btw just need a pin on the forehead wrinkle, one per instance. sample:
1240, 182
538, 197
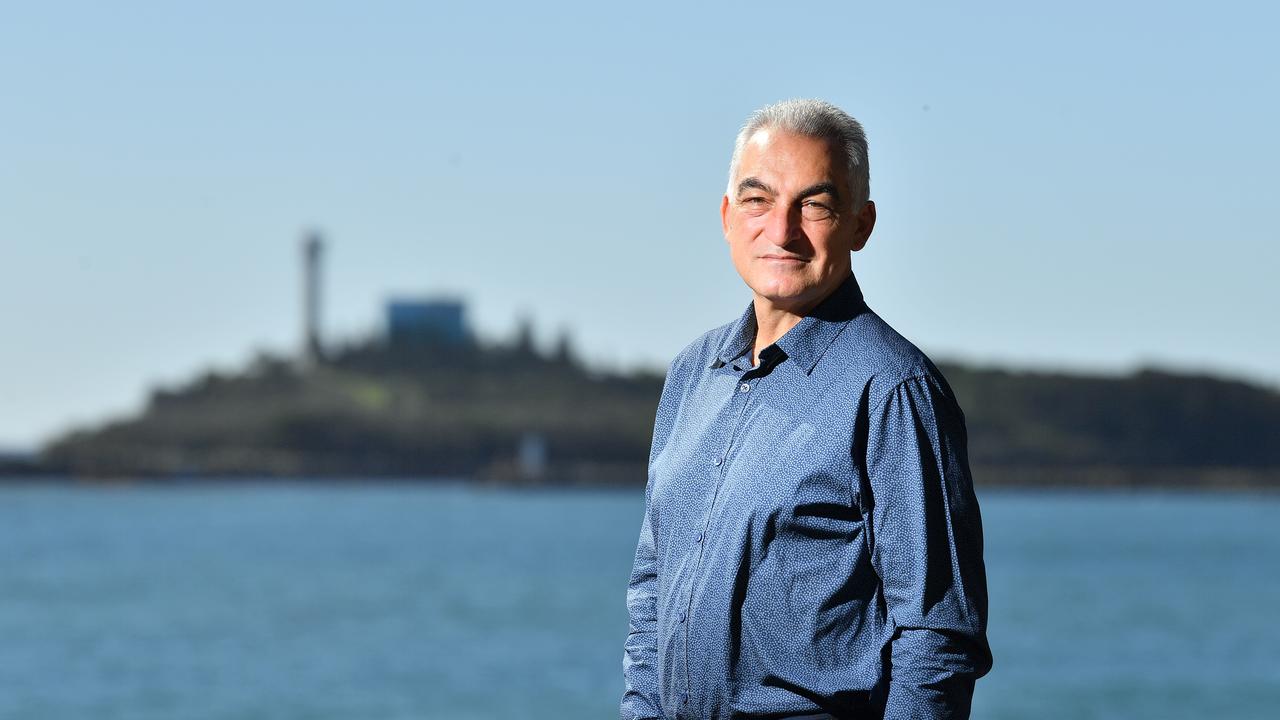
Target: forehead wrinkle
760, 157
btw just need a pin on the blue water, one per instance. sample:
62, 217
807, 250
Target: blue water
442, 601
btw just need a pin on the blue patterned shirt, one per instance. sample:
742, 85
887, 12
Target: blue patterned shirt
811, 545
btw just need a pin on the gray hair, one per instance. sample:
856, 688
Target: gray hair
816, 119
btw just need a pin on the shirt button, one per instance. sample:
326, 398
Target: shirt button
744, 387
682, 616
684, 698
718, 460
699, 540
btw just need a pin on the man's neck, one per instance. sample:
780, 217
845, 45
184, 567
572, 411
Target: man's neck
774, 320
771, 323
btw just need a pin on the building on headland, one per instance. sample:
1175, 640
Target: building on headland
412, 323
426, 322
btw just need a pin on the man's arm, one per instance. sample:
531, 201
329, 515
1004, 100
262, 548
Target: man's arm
640, 653
640, 700
927, 549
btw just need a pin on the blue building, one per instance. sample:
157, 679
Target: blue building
427, 323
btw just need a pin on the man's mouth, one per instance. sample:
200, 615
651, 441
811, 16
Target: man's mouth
784, 258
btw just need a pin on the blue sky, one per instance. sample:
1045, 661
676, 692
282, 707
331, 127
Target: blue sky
1086, 186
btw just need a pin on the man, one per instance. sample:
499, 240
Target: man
811, 545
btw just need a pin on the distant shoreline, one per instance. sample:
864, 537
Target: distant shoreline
1219, 479
1128, 477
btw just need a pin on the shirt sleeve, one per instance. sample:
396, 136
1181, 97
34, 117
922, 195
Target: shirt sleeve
640, 653
927, 548
640, 699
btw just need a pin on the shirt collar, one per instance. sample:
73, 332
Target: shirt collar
808, 341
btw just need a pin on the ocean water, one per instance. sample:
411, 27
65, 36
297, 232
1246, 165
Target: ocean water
438, 600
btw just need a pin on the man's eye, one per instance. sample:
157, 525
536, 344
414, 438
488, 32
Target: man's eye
754, 204
815, 211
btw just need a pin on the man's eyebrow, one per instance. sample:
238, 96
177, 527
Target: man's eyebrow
819, 189
754, 183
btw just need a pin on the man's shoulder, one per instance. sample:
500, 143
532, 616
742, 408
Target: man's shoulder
872, 348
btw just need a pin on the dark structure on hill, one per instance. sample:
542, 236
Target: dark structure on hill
381, 410
462, 410
427, 324
427, 399
1149, 428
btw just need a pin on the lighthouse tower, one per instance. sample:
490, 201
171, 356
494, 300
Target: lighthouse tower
312, 250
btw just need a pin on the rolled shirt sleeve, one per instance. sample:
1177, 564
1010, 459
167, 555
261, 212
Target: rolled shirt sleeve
927, 549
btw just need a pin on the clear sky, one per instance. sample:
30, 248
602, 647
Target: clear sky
1085, 185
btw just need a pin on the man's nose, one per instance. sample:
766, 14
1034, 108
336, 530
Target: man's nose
783, 225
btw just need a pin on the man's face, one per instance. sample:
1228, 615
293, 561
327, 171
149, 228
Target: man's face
789, 220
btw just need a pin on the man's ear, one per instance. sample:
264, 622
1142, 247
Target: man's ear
866, 219
724, 216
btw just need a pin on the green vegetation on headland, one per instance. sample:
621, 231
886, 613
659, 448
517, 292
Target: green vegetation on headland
513, 414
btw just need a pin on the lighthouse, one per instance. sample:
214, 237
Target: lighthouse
312, 250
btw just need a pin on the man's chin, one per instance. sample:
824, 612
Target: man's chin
786, 296
782, 285
793, 294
